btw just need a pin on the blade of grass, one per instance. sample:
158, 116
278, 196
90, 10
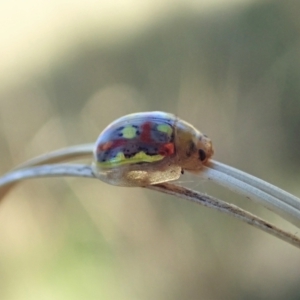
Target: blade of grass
270, 196
79, 170
254, 193
256, 182
61, 155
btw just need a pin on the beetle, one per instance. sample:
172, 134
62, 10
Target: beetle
148, 148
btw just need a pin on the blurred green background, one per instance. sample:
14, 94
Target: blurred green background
68, 68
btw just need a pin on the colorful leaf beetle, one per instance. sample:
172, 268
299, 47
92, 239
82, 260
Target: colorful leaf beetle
148, 148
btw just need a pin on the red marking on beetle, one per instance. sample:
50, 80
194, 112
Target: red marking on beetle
118, 143
166, 150
104, 147
146, 132
110, 145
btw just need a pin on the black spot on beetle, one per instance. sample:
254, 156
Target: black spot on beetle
202, 154
121, 128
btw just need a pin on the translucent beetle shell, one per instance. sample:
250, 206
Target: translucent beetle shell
147, 148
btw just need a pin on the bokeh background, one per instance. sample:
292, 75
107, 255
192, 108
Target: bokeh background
68, 68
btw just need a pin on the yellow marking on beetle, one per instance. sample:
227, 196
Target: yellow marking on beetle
120, 159
165, 128
129, 132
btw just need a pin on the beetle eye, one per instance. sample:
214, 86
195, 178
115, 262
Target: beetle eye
202, 154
